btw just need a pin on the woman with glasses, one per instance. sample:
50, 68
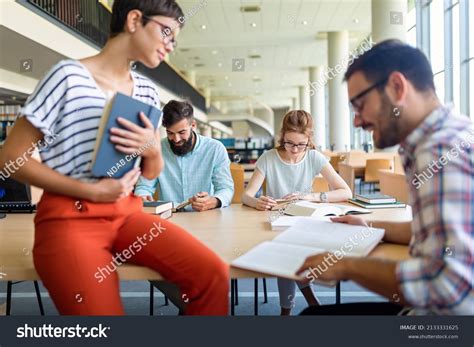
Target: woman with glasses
87, 225
289, 170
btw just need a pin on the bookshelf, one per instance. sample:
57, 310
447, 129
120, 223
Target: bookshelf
246, 150
8, 115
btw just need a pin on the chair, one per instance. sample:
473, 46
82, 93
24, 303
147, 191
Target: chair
394, 184
234, 294
237, 171
320, 184
397, 165
334, 160
9, 296
355, 157
152, 300
372, 167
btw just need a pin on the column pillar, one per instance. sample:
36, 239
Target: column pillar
389, 20
304, 98
318, 109
294, 103
339, 115
207, 95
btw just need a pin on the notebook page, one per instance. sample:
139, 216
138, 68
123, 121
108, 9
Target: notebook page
350, 239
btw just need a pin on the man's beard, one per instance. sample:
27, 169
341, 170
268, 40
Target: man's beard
389, 125
185, 148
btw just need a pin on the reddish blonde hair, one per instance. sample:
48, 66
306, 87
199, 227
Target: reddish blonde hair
297, 121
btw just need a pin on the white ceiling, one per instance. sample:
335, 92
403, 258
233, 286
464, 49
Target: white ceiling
289, 35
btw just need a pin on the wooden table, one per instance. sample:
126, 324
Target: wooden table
230, 232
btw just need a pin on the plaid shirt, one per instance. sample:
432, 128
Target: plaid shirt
438, 157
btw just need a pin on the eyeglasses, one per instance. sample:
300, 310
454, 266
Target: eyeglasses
167, 38
291, 145
356, 108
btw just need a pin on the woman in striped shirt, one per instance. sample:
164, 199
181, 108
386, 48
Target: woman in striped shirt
85, 225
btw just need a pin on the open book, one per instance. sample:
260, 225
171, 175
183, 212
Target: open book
286, 253
307, 208
181, 206
284, 222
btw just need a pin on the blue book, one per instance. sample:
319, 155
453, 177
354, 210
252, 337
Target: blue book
107, 161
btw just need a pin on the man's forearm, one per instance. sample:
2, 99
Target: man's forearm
152, 167
395, 232
377, 275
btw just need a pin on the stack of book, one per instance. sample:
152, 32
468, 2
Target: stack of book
375, 201
164, 209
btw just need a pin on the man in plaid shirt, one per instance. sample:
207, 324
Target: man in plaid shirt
392, 93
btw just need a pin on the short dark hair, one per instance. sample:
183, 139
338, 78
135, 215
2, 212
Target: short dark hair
175, 111
394, 55
121, 8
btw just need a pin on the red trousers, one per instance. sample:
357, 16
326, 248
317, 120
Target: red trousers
78, 245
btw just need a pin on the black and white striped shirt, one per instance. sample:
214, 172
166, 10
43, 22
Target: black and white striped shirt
67, 104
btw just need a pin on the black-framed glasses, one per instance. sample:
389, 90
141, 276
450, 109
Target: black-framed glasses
291, 145
353, 102
165, 32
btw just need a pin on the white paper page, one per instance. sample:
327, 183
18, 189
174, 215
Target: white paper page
287, 221
276, 259
349, 239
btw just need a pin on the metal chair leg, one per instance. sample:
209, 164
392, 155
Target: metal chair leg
9, 297
338, 293
236, 287
265, 295
166, 301
38, 297
152, 299
256, 297
232, 302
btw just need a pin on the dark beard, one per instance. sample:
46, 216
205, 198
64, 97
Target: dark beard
185, 148
390, 130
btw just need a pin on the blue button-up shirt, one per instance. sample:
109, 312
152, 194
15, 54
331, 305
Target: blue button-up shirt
205, 169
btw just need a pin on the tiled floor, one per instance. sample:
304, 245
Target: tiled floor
135, 296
